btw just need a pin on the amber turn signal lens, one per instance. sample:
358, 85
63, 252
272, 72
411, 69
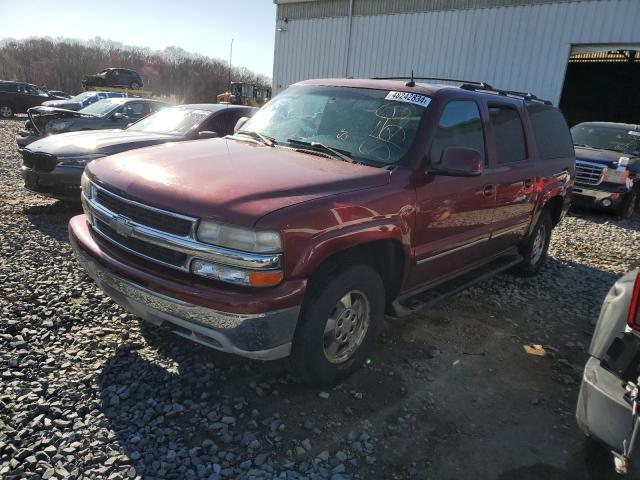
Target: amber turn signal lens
265, 279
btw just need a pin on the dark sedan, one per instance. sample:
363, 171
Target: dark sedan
110, 113
54, 164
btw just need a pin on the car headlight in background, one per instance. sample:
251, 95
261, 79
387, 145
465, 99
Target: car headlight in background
79, 160
58, 126
239, 238
87, 187
616, 176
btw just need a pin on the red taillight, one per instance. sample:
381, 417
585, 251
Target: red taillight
634, 309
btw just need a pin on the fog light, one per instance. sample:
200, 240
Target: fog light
238, 276
606, 202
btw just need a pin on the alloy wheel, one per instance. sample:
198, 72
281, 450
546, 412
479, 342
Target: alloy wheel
538, 244
346, 326
6, 112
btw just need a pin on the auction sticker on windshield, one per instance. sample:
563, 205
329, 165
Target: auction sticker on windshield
409, 97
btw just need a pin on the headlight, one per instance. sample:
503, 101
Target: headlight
79, 160
239, 238
616, 175
87, 187
58, 126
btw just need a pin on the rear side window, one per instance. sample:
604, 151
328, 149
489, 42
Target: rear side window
460, 126
550, 130
508, 134
8, 87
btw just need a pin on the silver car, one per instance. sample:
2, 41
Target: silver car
609, 401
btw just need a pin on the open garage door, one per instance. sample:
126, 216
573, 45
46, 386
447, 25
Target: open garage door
602, 83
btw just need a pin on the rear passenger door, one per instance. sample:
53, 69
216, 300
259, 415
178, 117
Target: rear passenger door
513, 173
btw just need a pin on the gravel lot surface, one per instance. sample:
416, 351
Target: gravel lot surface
90, 392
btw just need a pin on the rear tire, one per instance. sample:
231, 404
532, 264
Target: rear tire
6, 111
628, 207
340, 322
134, 85
534, 249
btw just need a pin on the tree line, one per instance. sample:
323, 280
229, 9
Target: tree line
61, 64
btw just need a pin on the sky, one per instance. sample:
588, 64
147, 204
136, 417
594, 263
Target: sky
198, 26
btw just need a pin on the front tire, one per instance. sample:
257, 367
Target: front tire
628, 207
134, 85
340, 321
6, 111
534, 249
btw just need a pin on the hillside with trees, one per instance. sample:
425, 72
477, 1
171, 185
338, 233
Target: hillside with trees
60, 64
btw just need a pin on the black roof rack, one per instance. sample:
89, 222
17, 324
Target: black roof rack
513, 93
410, 77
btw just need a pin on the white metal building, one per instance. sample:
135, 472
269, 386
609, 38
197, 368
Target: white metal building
513, 44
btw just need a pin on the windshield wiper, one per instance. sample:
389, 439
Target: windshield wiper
268, 141
340, 155
582, 145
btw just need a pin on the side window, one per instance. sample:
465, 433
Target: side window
8, 87
218, 124
460, 126
136, 110
508, 134
550, 130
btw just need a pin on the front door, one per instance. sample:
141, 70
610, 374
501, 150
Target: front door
453, 219
515, 174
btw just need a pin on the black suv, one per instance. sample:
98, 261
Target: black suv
114, 77
18, 97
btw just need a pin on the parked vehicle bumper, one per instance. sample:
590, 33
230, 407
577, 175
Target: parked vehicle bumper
605, 197
602, 411
24, 138
225, 326
63, 182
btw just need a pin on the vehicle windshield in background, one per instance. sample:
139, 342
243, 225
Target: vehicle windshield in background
82, 96
171, 121
101, 108
371, 126
617, 139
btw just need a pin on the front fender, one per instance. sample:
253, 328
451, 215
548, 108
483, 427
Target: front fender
336, 241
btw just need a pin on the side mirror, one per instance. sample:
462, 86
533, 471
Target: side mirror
459, 162
240, 123
117, 116
208, 134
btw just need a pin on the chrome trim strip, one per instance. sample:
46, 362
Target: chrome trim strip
510, 230
453, 250
186, 245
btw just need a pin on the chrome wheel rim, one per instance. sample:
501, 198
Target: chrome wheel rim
538, 244
5, 112
346, 326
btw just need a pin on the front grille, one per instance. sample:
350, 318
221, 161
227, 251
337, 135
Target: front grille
40, 162
151, 218
588, 173
153, 252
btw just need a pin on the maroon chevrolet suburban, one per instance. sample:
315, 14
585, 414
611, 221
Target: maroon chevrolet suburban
338, 202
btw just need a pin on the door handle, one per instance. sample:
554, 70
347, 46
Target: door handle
488, 190
527, 182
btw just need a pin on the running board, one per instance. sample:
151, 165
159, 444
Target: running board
427, 298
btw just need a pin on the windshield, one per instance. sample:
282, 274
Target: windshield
613, 138
171, 121
82, 96
101, 108
371, 126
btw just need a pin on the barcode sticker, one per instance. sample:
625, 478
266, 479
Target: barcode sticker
409, 97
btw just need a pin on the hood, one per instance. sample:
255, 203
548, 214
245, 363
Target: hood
66, 104
228, 180
606, 157
96, 141
40, 116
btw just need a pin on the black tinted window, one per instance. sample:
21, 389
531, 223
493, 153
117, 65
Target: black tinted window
8, 87
550, 130
508, 134
460, 126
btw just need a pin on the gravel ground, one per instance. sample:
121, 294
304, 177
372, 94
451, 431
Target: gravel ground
90, 392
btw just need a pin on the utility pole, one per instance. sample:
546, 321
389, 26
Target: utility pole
230, 56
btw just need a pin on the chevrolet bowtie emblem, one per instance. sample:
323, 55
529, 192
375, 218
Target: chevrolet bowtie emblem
122, 226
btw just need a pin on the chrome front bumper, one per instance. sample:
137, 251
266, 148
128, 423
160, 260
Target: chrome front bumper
264, 336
